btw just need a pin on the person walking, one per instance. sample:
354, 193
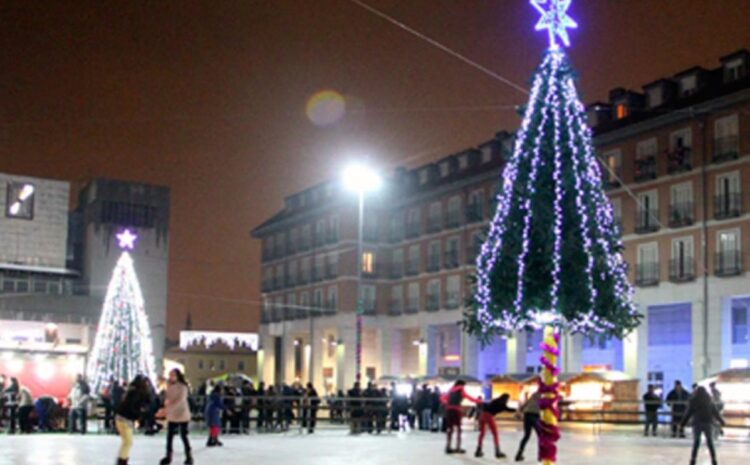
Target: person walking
214, 409
355, 407
423, 406
531, 422
178, 415
486, 412
10, 396
702, 410
652, 402
310, 404
127, 412
677, 399
454, 414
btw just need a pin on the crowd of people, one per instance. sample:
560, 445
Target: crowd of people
235, 408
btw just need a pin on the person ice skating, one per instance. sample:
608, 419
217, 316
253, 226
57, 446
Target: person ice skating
531, 419
178, 414
702, 410
718, 402
652, 403
454, 414
486, 413
127, 412
677, 399
214, 409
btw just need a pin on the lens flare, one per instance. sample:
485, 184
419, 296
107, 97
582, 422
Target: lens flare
325, 107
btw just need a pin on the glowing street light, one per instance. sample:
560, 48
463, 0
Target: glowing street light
360, 179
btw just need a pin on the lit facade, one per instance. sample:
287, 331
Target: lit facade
681, 148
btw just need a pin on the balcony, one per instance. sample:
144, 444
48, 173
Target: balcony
727, 205
332, 237
412, 305
305, 244
726, 148
728, 263
412, 268
395, 307
266, 285
433, 264
279, 252
453, 220
304, 278
681, 214
396, 235
320, 239
318, 275
474, 213
433, 303
679, 160
647, 274
413, 230
331, 307
452, 301
681, 269
645, 169
369, 307
278, 283
451, 259
612, 179
434, 224
617, 222
646, 220
396, 271
332, 271
290, 281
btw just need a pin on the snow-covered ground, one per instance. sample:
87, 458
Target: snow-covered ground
335, 447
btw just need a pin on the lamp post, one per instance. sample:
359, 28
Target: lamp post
360, 179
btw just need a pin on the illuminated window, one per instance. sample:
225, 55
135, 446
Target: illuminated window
368, 262
622, 111
20, 201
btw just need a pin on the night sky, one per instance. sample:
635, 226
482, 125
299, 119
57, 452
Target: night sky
209, 98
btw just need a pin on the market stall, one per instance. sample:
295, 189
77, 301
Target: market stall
734, 385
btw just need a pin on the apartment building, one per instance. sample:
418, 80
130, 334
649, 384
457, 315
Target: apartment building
675, 158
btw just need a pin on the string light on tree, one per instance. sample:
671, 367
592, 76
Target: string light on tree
123, 347
553, 256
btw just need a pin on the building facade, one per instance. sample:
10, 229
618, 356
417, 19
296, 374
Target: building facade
55, 265
676, 160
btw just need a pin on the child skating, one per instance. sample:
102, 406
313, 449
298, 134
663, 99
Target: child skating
214, 409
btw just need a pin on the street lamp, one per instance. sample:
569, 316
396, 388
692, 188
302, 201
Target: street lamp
360, 179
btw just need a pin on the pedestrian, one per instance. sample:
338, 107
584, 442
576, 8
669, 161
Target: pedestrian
247, 391
178, 414
486, 412
78, 400
310, 405
677, 399
718, 402
25, 407
127, 412
354, 404
652, 402
214, 408
260, 405
10, 396
702, 410
423, 405
531, 422
437, 412
454, 414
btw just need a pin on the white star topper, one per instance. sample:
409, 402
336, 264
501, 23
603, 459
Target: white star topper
555, 19
127, 240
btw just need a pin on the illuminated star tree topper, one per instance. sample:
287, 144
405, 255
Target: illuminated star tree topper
555, 19
126, 240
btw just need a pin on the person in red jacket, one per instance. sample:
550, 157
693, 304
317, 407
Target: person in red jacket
486, 412
454, 414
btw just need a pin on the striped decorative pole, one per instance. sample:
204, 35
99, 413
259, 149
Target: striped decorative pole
548, 403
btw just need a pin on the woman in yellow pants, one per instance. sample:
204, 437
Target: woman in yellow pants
129, 410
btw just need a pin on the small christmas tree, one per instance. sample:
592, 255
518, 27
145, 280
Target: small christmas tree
123, 346
552, 256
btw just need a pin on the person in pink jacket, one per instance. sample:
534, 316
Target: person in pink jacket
177, 409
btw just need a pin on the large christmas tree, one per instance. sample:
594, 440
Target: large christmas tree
552, 256
123, 346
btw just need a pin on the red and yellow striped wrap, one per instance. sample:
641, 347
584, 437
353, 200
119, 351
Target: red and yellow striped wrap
548, 388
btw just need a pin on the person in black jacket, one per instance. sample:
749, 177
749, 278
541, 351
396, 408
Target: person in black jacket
356, 412
486, 412
703, 412
127, 412
677, 399
652, 403
310, 405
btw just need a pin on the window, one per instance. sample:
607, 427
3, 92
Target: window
333, 229
433, 256
445, 169
474, 208
739, 325
475, 246
647, 148
454, 211
332, 304
647, 212
621, 110
200, 364
396, 227
451, 252
655, 96
463, 162
368, 262
20, 201
435, 217
728, 252
726, 139
688, 84
397, 300
670, 325
222, 364
647, 269
728, 195
413, 303
681, 205
424, 176
613, 168
305, 270
241, 366
413, 226
680, 139
397, 263
318, 302
453, 292
367, 297
433, 295
616, 211
320, 232
292, 308
414, 260
682, 266
304, 302
734, 70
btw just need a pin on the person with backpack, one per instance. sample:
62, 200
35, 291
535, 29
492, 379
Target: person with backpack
127, 412
702, 410
454, 414
178, 415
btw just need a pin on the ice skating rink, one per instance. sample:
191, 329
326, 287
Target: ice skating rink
335, 447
